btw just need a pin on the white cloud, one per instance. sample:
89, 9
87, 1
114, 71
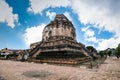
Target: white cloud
98, 13
37, 6
67, 14
103, 44
92, 39
108, 43
6, 15
104, 15
51, 15
89, 34
85, 28
33, 34
29, 9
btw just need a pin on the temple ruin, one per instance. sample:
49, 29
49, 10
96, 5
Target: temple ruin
59, 43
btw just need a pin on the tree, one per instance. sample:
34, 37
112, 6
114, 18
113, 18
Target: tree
93, 52
117, 51
101, 53
12, 55
108, 51
91, 49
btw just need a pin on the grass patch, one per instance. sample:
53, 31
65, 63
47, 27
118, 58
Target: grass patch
37, 74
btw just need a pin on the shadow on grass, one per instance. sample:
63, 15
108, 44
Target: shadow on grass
37, 74
1, 78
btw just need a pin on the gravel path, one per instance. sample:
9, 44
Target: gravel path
110, 70
12, 70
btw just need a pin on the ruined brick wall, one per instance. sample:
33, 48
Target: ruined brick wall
61, 26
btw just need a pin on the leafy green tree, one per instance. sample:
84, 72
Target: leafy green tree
108, 52
91, 49
93, 52
2, 55
117, 51
101, 53
13, 54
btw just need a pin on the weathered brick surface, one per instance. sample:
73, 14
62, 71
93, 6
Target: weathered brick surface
62, 27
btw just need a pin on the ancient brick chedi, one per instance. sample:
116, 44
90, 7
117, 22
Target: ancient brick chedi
59, 42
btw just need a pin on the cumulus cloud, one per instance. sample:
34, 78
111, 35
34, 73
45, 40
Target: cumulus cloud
103, 44
6, 15
92, 39
33, 34
89, 34
98, 13
108, 43
102, 14
37, 6
51, 15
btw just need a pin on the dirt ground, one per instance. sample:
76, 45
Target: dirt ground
12, 70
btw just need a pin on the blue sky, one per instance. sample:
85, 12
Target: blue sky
97, 22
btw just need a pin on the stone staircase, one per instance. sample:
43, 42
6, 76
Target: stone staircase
36, 51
